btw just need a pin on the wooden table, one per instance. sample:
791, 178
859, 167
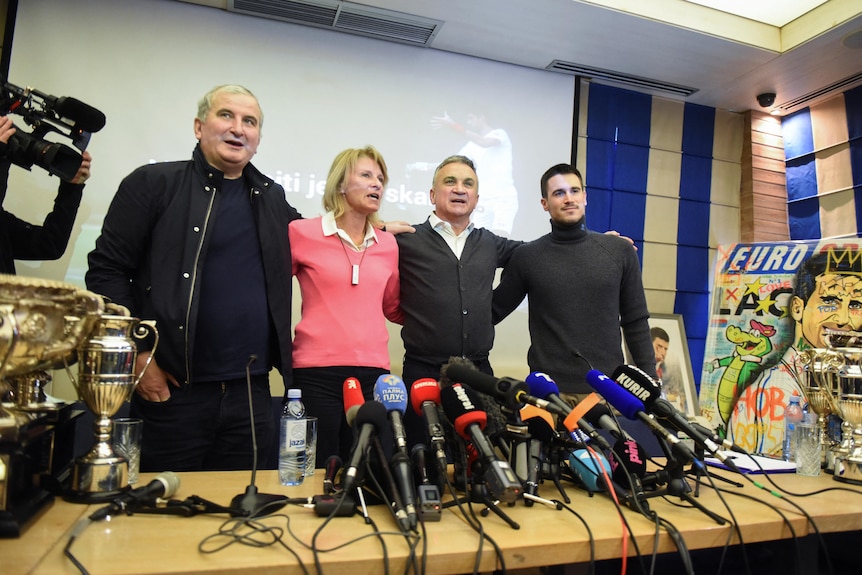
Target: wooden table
163, 544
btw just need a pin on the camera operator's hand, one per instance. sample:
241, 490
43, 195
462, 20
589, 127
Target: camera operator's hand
84, 170
6, 130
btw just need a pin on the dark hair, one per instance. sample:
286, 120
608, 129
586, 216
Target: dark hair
657, 332
557, 170
806, 275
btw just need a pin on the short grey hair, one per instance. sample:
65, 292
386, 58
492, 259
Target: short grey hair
205, 104
456, 159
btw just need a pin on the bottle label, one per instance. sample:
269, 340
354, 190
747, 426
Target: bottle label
296, 434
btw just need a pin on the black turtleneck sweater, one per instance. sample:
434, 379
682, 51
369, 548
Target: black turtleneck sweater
582, 287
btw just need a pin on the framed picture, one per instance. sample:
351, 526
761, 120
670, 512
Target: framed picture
673, 362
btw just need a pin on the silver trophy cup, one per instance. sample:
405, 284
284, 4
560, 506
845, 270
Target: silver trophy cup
106, 379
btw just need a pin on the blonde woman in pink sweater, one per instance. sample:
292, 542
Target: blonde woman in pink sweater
347, 268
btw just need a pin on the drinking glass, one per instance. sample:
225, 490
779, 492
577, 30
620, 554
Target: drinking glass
807, 437
127, 435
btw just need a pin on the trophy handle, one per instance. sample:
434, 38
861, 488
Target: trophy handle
142, 331
8, 335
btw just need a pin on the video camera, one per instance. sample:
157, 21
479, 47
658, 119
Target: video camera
66, 116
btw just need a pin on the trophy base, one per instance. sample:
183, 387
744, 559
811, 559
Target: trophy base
848, 471
14, 521
98, 481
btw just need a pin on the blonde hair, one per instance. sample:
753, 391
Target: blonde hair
343, 164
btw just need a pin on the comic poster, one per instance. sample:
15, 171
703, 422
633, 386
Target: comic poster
769, 301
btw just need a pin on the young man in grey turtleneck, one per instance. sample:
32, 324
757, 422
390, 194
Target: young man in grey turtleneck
583, 286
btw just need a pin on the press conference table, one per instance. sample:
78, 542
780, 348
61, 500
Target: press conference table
145, 543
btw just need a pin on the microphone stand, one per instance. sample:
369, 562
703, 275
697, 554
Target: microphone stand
251, 502
678, 486
477, 492
517, 437
699, 472
555, 470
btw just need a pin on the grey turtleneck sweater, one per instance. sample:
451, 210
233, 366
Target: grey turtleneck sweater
583, 287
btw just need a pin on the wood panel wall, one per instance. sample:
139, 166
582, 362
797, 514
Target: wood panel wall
763, 191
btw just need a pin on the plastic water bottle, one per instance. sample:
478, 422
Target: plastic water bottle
291, 445
792, 415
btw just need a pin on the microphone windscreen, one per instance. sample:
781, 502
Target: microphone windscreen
628, 453
461, 408
468, 375
615, 394
85, 116
373, 413
541, 385
638, 382
482, 400
529, 412
586, 465
540, 428
389, 389
445, 379
171, 481
425, 389
351, 393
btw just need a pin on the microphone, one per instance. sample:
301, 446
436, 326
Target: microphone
391, 392
389, 389
370, 417
251, 503
542, 385
459, 405
545, 387
425, 399
351, 393
84, 116
540, 426
600, 416
629, 457
164, 485
627, 401
333, 464
430, 506
587, 465
333, 501
724, 443
507, 391
352, 397
665, 411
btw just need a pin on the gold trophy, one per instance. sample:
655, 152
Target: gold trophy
819, 384
106, 379
42, 323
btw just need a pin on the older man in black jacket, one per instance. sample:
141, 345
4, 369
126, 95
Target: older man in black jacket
201, 247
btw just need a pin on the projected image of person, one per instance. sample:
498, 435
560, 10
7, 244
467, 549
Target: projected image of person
490, 149
583, 286
347, 271
201, 247
20, 240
